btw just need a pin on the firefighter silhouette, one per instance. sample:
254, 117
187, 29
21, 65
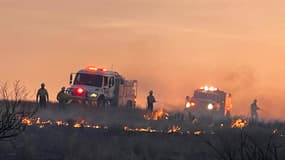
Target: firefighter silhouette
150, 101
61, 97
42, 96
254, 108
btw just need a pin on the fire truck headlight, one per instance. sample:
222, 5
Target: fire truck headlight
93, 95
188, 105
210, 106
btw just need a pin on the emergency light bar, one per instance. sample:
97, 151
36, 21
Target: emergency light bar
207, 88
94, 69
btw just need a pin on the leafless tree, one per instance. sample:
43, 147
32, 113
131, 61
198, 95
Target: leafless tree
235, 144
14, 107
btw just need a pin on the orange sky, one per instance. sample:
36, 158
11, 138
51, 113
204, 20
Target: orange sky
170, 46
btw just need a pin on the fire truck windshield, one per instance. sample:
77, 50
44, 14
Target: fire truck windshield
208, 96
88, 79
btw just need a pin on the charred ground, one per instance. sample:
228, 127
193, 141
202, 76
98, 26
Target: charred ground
121, 133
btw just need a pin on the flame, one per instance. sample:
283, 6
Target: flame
239, 123
27, 121
61, 123
81, 124
77, 125
174, 129
41, 124
96, 127
47, 122
157, 115
160, 114
197, 133
38, 121
148, 129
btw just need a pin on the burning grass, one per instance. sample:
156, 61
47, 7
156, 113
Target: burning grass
98, 133
239, 123
157, 115
159, 121
27, 121
67, 142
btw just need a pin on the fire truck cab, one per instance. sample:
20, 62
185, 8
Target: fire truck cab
101, 87
209, 101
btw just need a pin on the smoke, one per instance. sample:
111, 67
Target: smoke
240, 79
242, 82
172, 87
111, 116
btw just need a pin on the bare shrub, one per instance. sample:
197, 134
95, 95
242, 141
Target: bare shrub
240, 144
14, 107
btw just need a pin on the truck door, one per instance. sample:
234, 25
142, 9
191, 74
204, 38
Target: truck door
114, 84
107, 87
116, 91
111, 87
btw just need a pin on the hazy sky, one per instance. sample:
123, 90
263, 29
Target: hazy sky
170, 46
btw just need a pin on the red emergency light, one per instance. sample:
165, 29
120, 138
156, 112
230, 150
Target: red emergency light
79, 91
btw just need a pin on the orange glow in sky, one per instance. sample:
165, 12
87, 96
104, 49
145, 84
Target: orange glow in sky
171, 47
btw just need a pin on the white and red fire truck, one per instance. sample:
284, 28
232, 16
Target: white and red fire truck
209, 101
100, 87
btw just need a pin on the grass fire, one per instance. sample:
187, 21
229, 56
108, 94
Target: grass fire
82, 130
145, 132
142, 80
